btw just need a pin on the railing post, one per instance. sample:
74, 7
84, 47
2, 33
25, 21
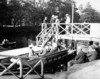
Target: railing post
52, 25
42, 69
81, 27
42, 26
36, 41
21, 68
7, 69
57, 31
72, 28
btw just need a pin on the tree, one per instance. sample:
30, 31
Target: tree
15, 12
3, 13
80, 9
60, 8
32, 15
90, 15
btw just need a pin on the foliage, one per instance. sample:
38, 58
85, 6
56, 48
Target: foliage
16, 12
3, 12
90, 15
60, 8
30, 14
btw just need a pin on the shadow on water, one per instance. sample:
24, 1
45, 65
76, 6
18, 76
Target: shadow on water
23, 36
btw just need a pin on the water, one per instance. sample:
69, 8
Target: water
21, 40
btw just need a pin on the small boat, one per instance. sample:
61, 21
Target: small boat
9, 44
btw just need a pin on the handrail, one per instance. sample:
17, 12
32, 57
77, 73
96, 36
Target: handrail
42, 31
40, 34
43, 34
11, 56
80, 29
47, 34
75, 28
48, 30
21, 62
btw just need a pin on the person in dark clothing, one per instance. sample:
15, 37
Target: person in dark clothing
97, 48
92, 54
90, 43
81, 57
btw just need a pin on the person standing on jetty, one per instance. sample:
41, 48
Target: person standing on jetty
97, 48
67, 21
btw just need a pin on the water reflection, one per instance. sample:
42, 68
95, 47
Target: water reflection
17, 41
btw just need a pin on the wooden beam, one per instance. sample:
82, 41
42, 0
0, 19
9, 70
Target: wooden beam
8, 67
32, 68
21, 69
9, 71
42, 69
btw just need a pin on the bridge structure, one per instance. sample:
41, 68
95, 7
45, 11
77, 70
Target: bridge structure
76, 31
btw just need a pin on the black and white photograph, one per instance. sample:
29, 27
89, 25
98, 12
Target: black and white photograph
49, 39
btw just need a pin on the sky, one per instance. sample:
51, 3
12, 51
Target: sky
95, 3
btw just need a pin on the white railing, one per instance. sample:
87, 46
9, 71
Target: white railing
21, 61
45, 34
88, 30
39, 37
60, 28
74, 28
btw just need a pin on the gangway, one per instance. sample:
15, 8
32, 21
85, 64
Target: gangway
76, 31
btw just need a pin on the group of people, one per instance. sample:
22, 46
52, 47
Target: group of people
51, 46
86, 53
83, 53
55, 19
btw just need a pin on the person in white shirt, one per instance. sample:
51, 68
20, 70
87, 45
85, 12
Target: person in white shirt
31, 55
45, 19
54, 45
67, 16
57, 19
67, 21
52, 20
31, 52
